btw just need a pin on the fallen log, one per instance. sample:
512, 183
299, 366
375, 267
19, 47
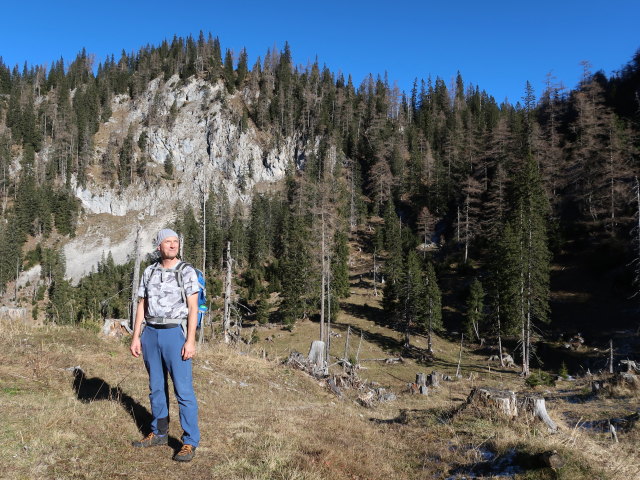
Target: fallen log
385, 360
632, 367
394, 360
507, 360
371, 398
333, 387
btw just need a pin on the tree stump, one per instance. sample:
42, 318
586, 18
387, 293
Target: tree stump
433, 379
507, 404
627, 380
624, 381
502, 401
115, 327
108, 326
551, 459
598, 385
508, 361
537, 407
420, 385
316, 353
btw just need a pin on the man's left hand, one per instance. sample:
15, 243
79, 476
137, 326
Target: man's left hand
188, 350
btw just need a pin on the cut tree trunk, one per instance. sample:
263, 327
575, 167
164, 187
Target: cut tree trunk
421, 384
537, 407
503, 401
316, 356
508, 404
433, 379
226, 319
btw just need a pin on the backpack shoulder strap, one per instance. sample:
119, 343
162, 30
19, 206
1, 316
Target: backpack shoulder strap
180, 279
154, 267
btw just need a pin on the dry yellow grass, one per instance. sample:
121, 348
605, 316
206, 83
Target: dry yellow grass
261, 419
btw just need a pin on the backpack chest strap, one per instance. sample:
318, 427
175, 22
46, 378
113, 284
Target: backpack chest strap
178, 272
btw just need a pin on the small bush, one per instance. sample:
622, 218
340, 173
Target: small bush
540, 378
563, 372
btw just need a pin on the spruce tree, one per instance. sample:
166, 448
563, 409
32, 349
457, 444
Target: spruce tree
432, 318
475, 309
339, 266
126, 161
524, 270
393, 270
294, 273
259, 232
262, 309
411, 301
61, 307
242, 68
236, 234
215, 237
229, 72
215, 61
191, 231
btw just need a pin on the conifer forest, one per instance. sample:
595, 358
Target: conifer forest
474, 211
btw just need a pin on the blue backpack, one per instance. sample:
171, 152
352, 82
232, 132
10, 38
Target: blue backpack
202, 291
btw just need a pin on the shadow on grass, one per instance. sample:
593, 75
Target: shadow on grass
92, 389
401, 419
470, 367
422, 417
366, 312
387, 343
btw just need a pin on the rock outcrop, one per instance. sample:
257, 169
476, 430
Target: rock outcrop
196, 126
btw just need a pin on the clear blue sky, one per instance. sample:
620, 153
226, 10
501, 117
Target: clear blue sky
497, 45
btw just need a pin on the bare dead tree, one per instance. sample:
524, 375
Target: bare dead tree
226, 320
636, 241
460, 355
136, 278
375, 274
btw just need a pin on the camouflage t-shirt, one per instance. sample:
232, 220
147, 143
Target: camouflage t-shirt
164, 296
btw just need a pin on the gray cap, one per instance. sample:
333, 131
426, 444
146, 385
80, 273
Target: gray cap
162, 234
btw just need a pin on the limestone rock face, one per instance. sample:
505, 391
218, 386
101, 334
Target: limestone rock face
197, 127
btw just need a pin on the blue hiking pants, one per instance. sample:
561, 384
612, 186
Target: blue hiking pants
161, 350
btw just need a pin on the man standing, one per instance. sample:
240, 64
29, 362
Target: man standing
168, 300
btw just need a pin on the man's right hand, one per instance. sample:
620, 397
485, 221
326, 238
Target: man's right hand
136, 348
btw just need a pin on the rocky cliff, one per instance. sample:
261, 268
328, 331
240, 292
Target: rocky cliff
196, 126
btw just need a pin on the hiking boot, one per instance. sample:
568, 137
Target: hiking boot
151, 440
186, 453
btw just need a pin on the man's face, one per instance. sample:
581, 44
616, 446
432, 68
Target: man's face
169, 248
